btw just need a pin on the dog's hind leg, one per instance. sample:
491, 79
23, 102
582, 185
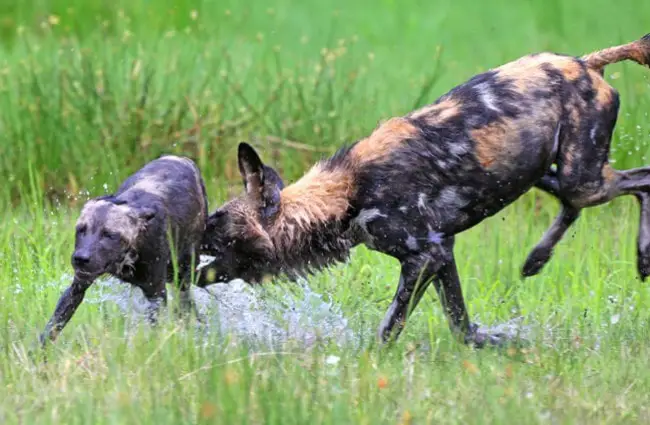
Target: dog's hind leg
542, 252
616, 183
637, 182
585, 177
643, 238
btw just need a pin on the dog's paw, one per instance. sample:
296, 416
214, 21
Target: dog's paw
536, 260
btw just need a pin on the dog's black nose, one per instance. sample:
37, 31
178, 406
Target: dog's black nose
80, 259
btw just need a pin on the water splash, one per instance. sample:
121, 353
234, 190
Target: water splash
271, 317
513, 330
252, 314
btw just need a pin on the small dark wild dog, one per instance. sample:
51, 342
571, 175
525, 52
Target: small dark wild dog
418, 180
126, 235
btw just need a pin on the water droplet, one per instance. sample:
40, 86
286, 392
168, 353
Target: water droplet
332, 360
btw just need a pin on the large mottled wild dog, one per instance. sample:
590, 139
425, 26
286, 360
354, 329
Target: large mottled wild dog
418, 180
156, 216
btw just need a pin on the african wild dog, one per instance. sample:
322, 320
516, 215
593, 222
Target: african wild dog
127, 235
418, 180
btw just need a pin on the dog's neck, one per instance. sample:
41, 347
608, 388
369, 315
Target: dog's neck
309, 231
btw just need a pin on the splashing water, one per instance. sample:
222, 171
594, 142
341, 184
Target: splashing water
251, 314
264, 318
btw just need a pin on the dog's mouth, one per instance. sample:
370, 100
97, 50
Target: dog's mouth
85, 274
90, 271
204, 261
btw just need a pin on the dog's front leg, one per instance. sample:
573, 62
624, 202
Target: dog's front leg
156, 300
186, 277
65, 309
418, 270
155, 290
413, 283
437, 264
447, 283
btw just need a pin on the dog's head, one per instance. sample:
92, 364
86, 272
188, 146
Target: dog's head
106, 235
236, 233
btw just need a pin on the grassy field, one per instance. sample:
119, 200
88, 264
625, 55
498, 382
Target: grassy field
90, 90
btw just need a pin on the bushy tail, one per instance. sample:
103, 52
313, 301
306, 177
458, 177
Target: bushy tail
638, 51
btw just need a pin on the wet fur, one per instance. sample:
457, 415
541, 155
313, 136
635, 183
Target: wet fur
166, 197
418, 180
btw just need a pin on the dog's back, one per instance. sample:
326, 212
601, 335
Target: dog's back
480, 146
174, 184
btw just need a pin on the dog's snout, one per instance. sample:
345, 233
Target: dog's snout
80, 259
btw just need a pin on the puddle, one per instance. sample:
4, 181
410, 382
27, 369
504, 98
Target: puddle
251, 314
267, 316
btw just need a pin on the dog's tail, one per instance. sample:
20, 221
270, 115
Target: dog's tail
638, 51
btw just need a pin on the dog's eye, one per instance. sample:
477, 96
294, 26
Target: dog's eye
110, 235
81, 229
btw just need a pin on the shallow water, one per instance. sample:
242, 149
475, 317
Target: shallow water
251, 314
265, 316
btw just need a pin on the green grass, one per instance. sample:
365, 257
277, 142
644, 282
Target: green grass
90, 90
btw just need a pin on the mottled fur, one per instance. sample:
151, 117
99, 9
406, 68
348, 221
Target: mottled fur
418, 180
127, 235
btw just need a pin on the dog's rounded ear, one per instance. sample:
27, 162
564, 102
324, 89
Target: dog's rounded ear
250, 168
271, 177
272, 187
216, 219
263, 184
147, 214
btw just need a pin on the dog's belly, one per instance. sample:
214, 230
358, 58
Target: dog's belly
497, 173
458, 207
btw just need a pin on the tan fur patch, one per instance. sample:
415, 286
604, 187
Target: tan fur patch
604, 92
574, 115
383, 140
525, 73
149, 185
438, 113
119, 219
319, 196
609, 174
568, 158
496, 143
570, 69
